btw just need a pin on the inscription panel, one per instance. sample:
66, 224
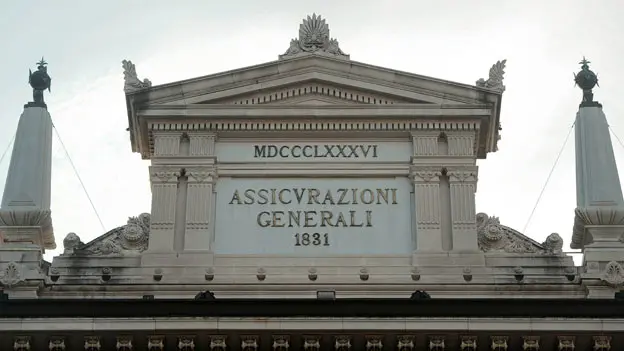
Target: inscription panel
352, 151
313, 216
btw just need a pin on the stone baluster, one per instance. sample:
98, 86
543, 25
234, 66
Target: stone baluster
463, 185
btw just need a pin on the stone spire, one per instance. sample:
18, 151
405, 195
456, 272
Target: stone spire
25, 209
599, 221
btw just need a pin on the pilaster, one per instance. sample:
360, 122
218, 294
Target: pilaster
463, 185
426, 181
199, 228
165, 182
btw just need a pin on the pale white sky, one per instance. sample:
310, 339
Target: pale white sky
85, 41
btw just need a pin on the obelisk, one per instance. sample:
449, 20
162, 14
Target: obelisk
599, 215
25, 219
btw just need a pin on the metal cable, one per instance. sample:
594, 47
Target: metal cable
78, 176
7, 148
548, 178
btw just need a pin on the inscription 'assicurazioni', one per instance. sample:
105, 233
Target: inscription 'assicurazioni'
353, 216
316, 151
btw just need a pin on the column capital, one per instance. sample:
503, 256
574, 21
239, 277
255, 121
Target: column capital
462, 174
201, 175
164, 174
425, 174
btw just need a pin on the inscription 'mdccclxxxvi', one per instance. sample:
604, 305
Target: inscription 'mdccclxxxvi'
316, 151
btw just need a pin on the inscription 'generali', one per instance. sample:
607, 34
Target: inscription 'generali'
302, 204
316, 151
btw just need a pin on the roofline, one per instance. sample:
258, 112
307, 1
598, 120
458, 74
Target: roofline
501, 308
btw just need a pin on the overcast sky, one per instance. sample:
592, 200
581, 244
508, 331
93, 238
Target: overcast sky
84, 43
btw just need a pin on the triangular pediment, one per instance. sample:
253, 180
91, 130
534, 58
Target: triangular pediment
313, 80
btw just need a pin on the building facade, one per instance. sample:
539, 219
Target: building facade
313, 203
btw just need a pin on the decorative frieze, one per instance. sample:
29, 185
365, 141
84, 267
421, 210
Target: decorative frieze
201, 144
405, 343
167, 144
56, 343
530, 343
124, 343
92, 343
218, 343
374, 342
499, 343
342, 343
249, 343
155, 343
436, 343
281, 342
425, 143
566, 343
311, 343
21, 343
186, 343
602, 343
461, 144
468, 343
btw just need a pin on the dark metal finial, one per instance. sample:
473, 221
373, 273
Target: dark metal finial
586, 79
39, 81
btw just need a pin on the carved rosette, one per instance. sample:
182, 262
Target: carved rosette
314, 37
613, 274
21, 343
492, 236
11, 275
